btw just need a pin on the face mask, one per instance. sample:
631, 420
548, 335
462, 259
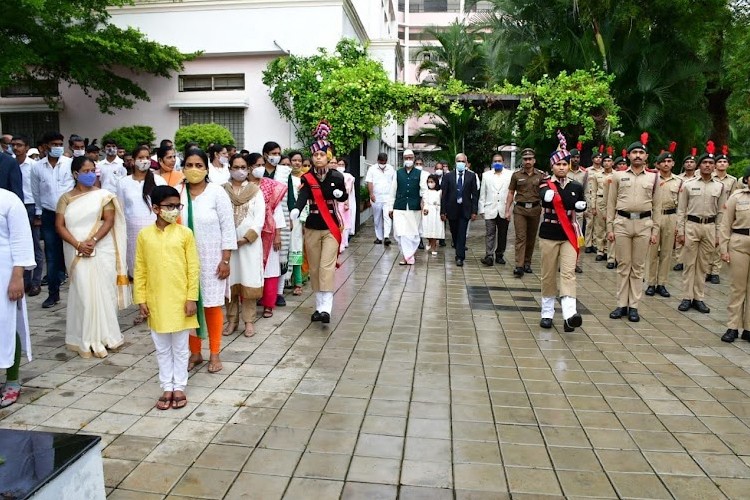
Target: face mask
142, 165
87, 179
274, 160
239, 175
431, 185
169, 216
341, 169
78, 152
381, 166
408, 163
56, 151
224, 160
258, 172
460, 166
419, 167
439, 173
497, 166
195, 175
110, 151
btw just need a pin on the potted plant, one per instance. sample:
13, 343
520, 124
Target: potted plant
364, 198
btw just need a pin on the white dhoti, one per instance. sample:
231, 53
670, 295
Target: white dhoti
406, 231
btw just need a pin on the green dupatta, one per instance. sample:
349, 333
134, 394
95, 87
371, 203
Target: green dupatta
202, 330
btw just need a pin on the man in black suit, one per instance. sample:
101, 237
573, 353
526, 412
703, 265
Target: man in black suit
10, 175
460, 203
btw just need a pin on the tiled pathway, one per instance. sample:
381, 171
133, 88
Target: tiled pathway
433, 381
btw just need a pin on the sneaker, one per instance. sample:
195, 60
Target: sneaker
9, 395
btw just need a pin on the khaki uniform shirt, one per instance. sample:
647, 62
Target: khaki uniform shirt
730, 183
632, 192
736, 216
668, 192
701, 199
526, 186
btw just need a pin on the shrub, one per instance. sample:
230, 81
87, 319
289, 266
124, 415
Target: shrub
130, 137
738, 169
203, 134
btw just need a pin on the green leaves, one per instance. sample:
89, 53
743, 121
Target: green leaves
203, 134
130, 137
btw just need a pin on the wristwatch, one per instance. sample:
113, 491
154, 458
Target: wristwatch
225, 262
95, 239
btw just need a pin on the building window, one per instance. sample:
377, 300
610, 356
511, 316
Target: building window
31, 88
31, 124
198, 83
231, 118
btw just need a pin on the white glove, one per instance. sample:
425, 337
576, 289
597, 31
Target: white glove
337, 193
294, 214
580, 205
548, 195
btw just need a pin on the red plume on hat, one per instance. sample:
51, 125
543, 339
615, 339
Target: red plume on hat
579, 145
610, 150
725, 150
624, 153
710, 147
672, 147
601, 148
644, 138
693, 151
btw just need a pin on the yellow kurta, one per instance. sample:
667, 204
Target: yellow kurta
167, 274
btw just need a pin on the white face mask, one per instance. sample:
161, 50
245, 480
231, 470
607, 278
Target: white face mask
142, 165
224, 160
110, 151
56, 151
439, 173
341, 169
274, 160
78, 152
408, 163
258, 172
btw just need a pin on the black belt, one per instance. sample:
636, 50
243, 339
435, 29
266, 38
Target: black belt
746, 232
701, 220
669, 211
634, 215
531, 204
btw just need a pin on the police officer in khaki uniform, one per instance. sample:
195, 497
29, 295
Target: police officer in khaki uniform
524, 190
660, 255
734, 247
581, 176
688, 172
698, 212
621, 163
730, 186
598, 182
592, 233
632, 224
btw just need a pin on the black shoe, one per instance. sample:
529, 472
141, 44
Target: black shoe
378, 242
678, 267
34, 291
745, 335
442, 243
574, 321
730, 336
488, 261
51, 301
699, 306
650, 290
387, 242
527, 269
684, 305
662, 290
421, 245
500, 260
45, 281
325, 317
600, 258
546, 323
316, 316
518, 272
610, 265
618, 313
708, 278
633, 315
579, 270
460, 262
590, 250
280, 301
715, 280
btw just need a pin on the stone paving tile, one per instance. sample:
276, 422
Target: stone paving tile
432, 381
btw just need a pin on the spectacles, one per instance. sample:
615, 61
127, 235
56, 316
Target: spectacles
172, 206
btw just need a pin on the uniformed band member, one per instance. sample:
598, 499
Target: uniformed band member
730, 186
698, 217
560, 239
321, 188
581, 176
734, 246
524, 190
593, 233
632, 224
688, 172
598, 205
660, 255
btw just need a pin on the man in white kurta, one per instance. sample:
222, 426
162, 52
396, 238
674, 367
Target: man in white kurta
16, 256
405, 207
379, 180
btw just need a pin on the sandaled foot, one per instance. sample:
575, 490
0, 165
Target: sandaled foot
179, 400
165, 401
249, 330
267, 312
214, 364
139, 319
297, 290
195, 360
229, 329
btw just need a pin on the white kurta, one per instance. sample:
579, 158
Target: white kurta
138, 214
432, 226
273, 264
213, 219
16, 249
247, 261
218, 175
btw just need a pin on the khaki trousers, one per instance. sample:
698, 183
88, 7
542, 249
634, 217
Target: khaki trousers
589, 237
660, 256
697, 253
600, 228
631, 243
247, 310
580, 217
322, 251
738, 309
716, 262
526, 225
558, 254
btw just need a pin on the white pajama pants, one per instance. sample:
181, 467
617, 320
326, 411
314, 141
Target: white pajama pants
172, 353
381, 220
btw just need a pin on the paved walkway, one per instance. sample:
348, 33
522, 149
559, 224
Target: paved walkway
432, 381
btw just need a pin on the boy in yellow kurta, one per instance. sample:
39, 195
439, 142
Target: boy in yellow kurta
165, 286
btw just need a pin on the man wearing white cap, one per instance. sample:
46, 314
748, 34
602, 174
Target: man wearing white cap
406, 208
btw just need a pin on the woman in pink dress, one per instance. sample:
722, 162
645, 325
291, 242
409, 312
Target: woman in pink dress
346, 209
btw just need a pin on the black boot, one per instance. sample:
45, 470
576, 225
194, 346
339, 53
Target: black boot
618, 313
572, 323
650, 290
633, 315
518, 272
662, 290
546, 323
699, 306
684, 305
730, 336
488, 261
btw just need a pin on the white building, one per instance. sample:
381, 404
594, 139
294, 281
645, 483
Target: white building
224, 85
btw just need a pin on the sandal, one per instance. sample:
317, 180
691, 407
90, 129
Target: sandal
230, 328
297, 290
267, 312
249, 330
164, 402
179, 401
214, 364
195, 360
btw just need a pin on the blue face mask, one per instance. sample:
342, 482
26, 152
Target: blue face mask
497, 166
460, 166
87, 179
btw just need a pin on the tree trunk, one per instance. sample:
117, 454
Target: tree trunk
717, 111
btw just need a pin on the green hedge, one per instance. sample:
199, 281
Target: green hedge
130, 137
203, 134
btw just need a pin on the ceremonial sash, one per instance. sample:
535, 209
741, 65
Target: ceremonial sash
562, 216
320, 201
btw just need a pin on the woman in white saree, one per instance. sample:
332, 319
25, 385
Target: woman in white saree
92, 224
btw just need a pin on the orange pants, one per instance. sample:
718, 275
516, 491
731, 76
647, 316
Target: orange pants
215, 323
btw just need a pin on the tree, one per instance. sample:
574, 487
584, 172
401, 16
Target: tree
130, 137
204, 134
72, 41
459, 55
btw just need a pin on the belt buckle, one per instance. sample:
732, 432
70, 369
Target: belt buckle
528, 205
635, 216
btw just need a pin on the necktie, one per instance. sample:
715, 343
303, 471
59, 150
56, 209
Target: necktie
460, 187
